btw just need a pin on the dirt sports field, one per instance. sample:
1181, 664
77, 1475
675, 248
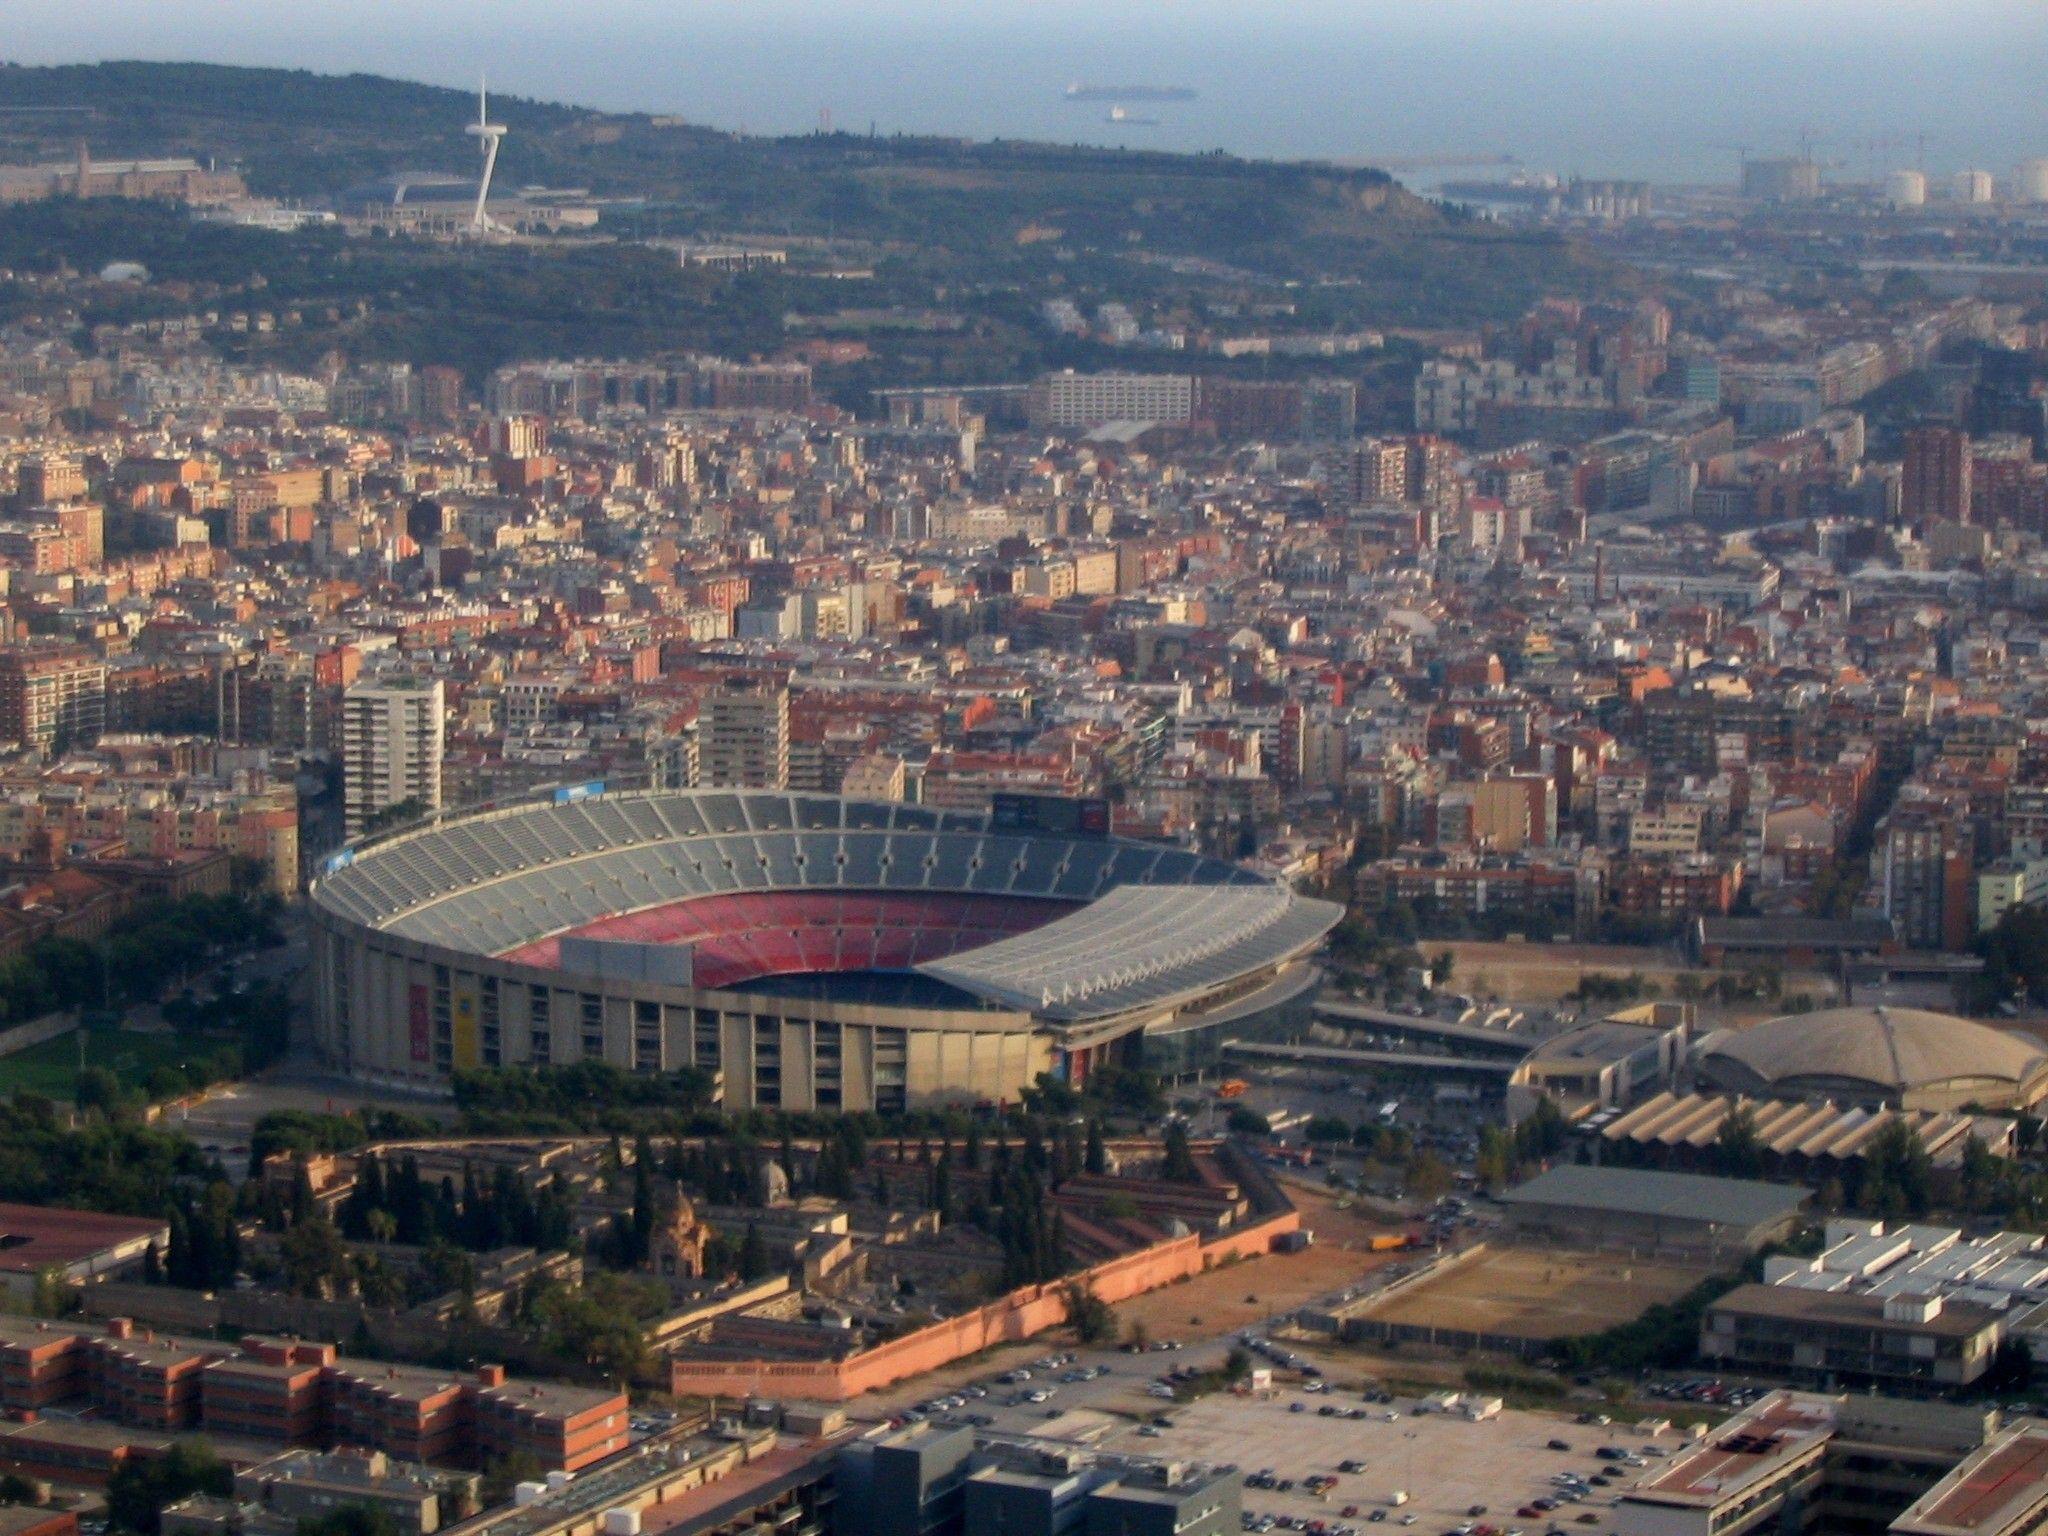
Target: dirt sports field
1536, 1293
1537, 973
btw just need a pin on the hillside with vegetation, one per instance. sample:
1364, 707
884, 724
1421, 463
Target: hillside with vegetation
983, 229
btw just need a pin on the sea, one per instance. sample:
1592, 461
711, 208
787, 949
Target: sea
1673, 91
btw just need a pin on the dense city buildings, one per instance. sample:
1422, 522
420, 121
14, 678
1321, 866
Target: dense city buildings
938, 743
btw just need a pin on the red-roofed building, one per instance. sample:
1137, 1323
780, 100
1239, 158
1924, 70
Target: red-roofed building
77, 1245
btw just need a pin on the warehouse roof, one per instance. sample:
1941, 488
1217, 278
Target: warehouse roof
1641, 1192
38, 1237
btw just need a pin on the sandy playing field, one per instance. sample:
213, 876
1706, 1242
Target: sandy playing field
1543, 973
1537, 1293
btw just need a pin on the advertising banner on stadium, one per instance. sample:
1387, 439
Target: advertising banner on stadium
416, 1015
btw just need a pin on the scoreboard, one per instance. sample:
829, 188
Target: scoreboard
1053, 815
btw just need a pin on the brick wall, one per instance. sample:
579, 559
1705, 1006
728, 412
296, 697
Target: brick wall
1020, 1315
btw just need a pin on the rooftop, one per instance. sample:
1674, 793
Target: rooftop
1641, 1192
1137, 944
34, 1238
1995, 1489
1895, 1050
1779, 1430
1853, 1309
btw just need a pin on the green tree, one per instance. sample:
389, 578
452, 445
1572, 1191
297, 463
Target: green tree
1738, 1149
1178, 1165
1898, 1175
96, 1088
1494, 1166
52, 1294
1980, 1174
1092, 1318
138, 1491
1247, 1122
1426, 1177
754, 1261
1095, 1159
315, 1259
502, 1474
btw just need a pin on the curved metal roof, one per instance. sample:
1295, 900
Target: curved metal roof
1895, 1049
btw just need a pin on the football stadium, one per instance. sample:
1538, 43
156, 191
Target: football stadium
810, 952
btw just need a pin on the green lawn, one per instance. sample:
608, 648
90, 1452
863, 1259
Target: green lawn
51, 1068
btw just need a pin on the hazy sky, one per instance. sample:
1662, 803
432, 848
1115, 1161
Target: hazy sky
1601, 86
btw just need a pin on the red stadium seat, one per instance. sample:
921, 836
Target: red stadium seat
743, 935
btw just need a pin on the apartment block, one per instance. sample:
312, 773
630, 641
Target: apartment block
51, 695
559, 1426
392, 740
743, 736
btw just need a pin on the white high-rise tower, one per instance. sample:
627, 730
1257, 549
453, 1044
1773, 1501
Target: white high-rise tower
392, 734
489, 133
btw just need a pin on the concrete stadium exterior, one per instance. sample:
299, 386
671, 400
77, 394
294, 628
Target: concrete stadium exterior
811, 952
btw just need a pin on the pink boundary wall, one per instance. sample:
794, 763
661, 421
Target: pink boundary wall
1020, 1315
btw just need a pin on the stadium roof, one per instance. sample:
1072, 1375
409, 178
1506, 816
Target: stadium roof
1161, 923
1139, 945
1740, 1203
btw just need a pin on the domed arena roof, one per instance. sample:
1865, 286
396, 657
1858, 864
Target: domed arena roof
1908, 1057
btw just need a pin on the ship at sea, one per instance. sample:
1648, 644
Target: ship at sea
1125, 119
1079, 92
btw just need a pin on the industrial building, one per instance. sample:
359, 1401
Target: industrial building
1604, 1063
1996, 1279
272, 1497
1796, 1461
1896, 1343
1809, 1141
1637, 1209
923, 1480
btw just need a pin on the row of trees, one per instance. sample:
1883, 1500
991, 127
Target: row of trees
397, 1205
137, 959
1505, 1154
1029, 1228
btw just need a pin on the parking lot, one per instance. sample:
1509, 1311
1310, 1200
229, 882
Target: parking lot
1447, 1466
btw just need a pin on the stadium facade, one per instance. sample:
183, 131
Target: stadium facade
812, 952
